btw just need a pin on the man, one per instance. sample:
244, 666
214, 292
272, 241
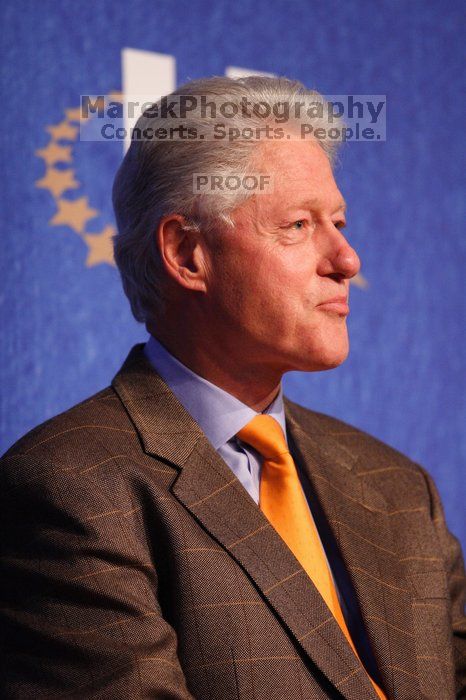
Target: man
189, 532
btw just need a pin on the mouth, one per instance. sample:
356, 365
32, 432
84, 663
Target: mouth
338, 305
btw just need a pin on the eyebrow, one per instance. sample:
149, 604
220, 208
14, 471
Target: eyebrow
310, 203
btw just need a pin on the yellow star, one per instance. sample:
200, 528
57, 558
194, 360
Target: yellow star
100, 247
55, 153
73, 115
73, 213
64, 130
360, 281
58, 181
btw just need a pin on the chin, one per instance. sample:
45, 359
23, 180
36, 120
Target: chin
321, 359
335, 363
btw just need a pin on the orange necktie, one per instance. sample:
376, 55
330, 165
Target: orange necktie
283, 502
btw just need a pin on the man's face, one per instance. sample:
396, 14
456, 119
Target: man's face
273, 274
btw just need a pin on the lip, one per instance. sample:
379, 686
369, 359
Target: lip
337, 304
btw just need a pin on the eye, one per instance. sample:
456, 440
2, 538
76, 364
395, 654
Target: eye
340, 225
298, 224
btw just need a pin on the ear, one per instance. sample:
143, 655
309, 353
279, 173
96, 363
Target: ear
182, 253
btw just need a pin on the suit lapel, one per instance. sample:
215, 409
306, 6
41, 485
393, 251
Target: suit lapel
210, 491
215, 497
360, 521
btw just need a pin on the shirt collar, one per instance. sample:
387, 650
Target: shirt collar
219, 414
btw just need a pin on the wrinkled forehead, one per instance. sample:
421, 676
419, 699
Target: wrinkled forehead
294, 161
301, 178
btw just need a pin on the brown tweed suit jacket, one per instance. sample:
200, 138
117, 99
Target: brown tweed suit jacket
136, 565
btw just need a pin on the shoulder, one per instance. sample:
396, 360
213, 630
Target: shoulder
359, 443
77, 467
375, 464
72, 442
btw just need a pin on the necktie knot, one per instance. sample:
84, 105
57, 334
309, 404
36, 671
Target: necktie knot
265, 435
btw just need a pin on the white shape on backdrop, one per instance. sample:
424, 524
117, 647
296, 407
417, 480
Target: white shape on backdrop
145, 73
154, 74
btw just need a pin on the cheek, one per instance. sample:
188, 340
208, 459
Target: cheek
260, 285
297, 286
283, 291
233, 284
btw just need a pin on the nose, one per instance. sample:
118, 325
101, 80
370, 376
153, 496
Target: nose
347, 261
339, 258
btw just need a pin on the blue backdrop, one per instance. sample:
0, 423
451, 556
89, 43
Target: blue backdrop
66, 325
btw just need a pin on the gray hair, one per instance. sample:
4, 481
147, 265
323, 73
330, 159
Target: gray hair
156, 176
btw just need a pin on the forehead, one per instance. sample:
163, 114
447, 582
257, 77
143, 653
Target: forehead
301, 173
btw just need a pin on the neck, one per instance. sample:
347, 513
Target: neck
253, 384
